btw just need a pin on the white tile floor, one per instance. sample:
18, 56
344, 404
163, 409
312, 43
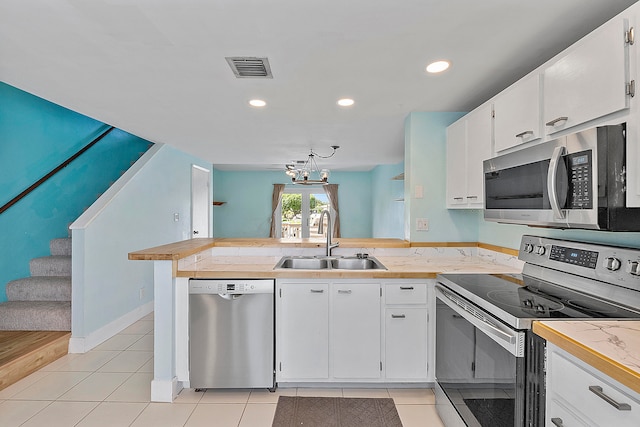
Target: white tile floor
110, 386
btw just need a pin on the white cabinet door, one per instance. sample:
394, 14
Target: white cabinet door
406, 343
517, 114
303, 323
589, 81
478, 150
355, 330
468, 145
456, 164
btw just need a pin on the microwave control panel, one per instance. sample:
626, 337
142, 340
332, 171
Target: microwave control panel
580, 170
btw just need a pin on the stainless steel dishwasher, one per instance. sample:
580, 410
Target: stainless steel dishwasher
231, 333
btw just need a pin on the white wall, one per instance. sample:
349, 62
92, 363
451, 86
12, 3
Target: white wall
137, 212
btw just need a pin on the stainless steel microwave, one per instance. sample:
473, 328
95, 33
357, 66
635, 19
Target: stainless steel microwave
575, 181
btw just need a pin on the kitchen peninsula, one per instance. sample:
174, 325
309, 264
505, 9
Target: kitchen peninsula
176, 263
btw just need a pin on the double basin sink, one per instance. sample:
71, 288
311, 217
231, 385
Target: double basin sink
329, 263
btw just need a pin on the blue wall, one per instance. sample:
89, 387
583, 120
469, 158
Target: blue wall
247, 197
387, 210
35, 137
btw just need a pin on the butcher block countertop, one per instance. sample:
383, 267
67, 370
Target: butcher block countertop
192, 259
611, 346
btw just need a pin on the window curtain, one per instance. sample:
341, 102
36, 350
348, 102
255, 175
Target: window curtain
332, 194
278, 189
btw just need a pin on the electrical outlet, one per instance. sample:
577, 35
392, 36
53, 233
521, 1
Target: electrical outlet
422, 224
176, 217
142, 293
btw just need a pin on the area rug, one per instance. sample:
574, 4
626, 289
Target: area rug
492, 412
335, 412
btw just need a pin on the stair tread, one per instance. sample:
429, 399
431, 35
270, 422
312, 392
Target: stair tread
52, 265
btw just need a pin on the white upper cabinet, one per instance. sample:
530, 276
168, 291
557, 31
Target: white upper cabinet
468, 145
589, 81
517, 114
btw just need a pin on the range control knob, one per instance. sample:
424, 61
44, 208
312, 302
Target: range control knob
528, 248
634, 268
612, 263
540, 250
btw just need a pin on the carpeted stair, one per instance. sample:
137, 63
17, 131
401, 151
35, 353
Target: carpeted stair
41, 302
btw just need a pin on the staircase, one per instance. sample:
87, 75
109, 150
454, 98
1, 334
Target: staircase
41, 302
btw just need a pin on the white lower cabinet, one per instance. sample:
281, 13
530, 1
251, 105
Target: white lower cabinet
352, 331
303, 331
578, 394
405, 343
355, 330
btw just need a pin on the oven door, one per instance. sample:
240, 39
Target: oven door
480, 366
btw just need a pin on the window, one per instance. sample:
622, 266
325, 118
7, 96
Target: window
299, 213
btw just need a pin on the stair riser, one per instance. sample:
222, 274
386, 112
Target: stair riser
51, 266
39, 289
60, 247
35, 316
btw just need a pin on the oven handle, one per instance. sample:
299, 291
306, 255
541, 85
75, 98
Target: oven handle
513, 342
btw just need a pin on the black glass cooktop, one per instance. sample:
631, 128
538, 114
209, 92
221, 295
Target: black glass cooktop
516, 298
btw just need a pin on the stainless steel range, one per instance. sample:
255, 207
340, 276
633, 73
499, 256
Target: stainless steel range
489, 365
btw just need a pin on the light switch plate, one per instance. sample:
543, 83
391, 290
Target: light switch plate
422, 224
419, 192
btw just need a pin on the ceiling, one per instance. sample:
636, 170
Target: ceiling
157, 69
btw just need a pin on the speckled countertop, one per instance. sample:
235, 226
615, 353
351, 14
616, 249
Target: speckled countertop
610, 346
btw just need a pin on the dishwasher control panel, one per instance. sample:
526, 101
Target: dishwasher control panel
231, 286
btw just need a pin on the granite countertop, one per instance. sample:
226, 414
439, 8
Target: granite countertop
611, 346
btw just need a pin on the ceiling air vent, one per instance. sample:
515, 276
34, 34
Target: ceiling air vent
246, 67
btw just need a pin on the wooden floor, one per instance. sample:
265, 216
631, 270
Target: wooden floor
24, 352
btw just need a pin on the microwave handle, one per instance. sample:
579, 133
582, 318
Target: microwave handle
551, 182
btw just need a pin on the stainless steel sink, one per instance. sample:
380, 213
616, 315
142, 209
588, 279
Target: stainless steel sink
349, 263
329, 263
304, 263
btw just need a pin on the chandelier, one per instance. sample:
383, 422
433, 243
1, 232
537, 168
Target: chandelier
305, 175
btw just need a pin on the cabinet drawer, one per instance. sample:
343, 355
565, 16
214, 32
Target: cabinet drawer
579, 388
405, 293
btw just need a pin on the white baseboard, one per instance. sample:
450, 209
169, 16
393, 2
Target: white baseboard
84, 344
165, 390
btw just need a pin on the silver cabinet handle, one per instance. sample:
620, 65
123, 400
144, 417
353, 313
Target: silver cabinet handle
344, 291
525, 133
458, 198
597, 390
558, 120
472, 197
406, 288
398, 316
551, 182
557, 422
317, 291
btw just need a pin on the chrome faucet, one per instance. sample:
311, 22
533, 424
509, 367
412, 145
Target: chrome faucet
329, 231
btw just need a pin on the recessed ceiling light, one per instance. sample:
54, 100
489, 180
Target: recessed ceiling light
345, 102
257, 103
438, 66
